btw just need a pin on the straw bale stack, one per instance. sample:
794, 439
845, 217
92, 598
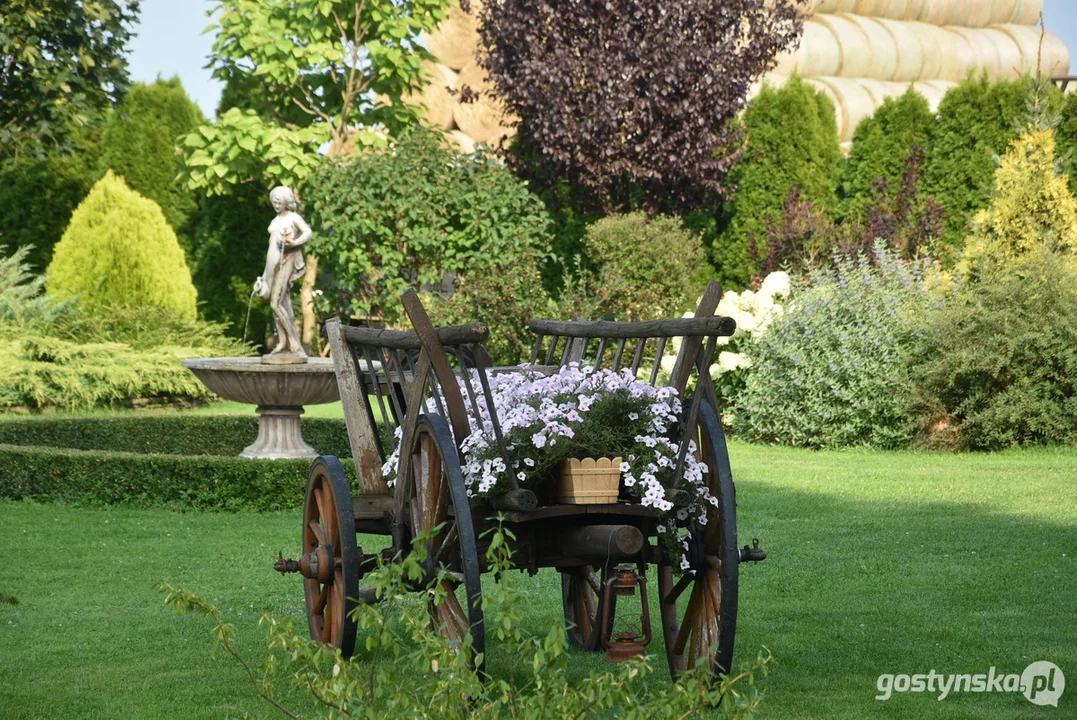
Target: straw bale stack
455, 42
966, 13
485, 119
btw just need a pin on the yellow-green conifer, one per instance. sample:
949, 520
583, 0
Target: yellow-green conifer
119, 250
1031, 207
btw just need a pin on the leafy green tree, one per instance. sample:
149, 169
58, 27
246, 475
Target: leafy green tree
792, 140
61, 64
976, 121
140, 144
414, 214
1066, 134
329, 59
881, 147
119, 250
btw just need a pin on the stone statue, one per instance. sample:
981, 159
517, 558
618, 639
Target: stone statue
284, 265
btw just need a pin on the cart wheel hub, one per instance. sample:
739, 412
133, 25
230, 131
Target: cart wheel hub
316, 565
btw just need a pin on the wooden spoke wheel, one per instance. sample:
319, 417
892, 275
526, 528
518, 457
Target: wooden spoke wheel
704, 628
581, 592
437, 506
329, 539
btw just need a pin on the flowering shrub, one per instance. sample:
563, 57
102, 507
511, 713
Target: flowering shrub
832, 370
754, 313
580, 412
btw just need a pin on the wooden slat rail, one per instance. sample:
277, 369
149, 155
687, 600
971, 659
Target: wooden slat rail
676, 327
407, 340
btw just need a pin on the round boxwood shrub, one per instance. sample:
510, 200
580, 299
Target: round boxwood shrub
792, 140
645, 265
119, 250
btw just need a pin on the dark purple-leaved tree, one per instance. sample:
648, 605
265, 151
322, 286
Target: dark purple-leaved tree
634, 98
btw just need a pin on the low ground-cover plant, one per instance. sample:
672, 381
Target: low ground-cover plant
832, 371
403, 668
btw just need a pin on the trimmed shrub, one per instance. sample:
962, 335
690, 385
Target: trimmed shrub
975, 123
792, 140
832, 370
413, 214
119, 250
139, 144
1000, 361
881, 147
155, 434
1031, 207
91, 477
646, 266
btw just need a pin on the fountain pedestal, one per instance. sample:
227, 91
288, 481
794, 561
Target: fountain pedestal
279, 391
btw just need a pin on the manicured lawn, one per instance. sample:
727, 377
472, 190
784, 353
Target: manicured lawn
879, 563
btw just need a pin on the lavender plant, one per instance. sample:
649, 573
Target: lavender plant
832, 371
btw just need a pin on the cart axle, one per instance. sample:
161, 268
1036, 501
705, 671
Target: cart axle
754, 553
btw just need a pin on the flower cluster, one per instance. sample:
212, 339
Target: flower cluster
581, 412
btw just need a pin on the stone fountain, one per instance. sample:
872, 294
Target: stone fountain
279, 391
283, 381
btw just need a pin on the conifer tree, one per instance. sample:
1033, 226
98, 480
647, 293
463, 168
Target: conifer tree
118, 250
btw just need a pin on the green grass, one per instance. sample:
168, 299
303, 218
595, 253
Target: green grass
879, 563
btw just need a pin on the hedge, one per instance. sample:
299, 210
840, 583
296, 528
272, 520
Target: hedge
222, 435
188, 462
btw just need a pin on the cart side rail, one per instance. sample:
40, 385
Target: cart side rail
378, 373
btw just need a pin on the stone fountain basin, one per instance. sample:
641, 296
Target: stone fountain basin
279, 391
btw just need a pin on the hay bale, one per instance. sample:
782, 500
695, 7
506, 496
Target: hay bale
1054, 57
462, 141
484, 120
908, 52
854, 44
455, 41
818, 53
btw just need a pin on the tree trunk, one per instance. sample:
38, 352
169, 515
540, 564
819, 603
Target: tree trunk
306, 302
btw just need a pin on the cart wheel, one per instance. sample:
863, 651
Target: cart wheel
580, 593
329, 528
437, 497
708, 626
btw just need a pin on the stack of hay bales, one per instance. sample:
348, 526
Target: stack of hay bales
455, 44
860, 52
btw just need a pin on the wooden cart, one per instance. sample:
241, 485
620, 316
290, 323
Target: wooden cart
411, 380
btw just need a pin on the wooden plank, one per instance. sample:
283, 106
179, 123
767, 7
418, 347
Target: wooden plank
686, 358
361, 432
713, 325
405, 340
371, 507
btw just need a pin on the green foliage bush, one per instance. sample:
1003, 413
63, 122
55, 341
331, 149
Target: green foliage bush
23, 305
1066, 132
506, 298
39, 194
402, 217
975, 123
832, 371
139, 144
792, 140
1001, 358
881, 147
157, 434
646, 266
229, 249
120, 251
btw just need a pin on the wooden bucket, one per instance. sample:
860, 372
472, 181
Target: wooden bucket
589, 481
